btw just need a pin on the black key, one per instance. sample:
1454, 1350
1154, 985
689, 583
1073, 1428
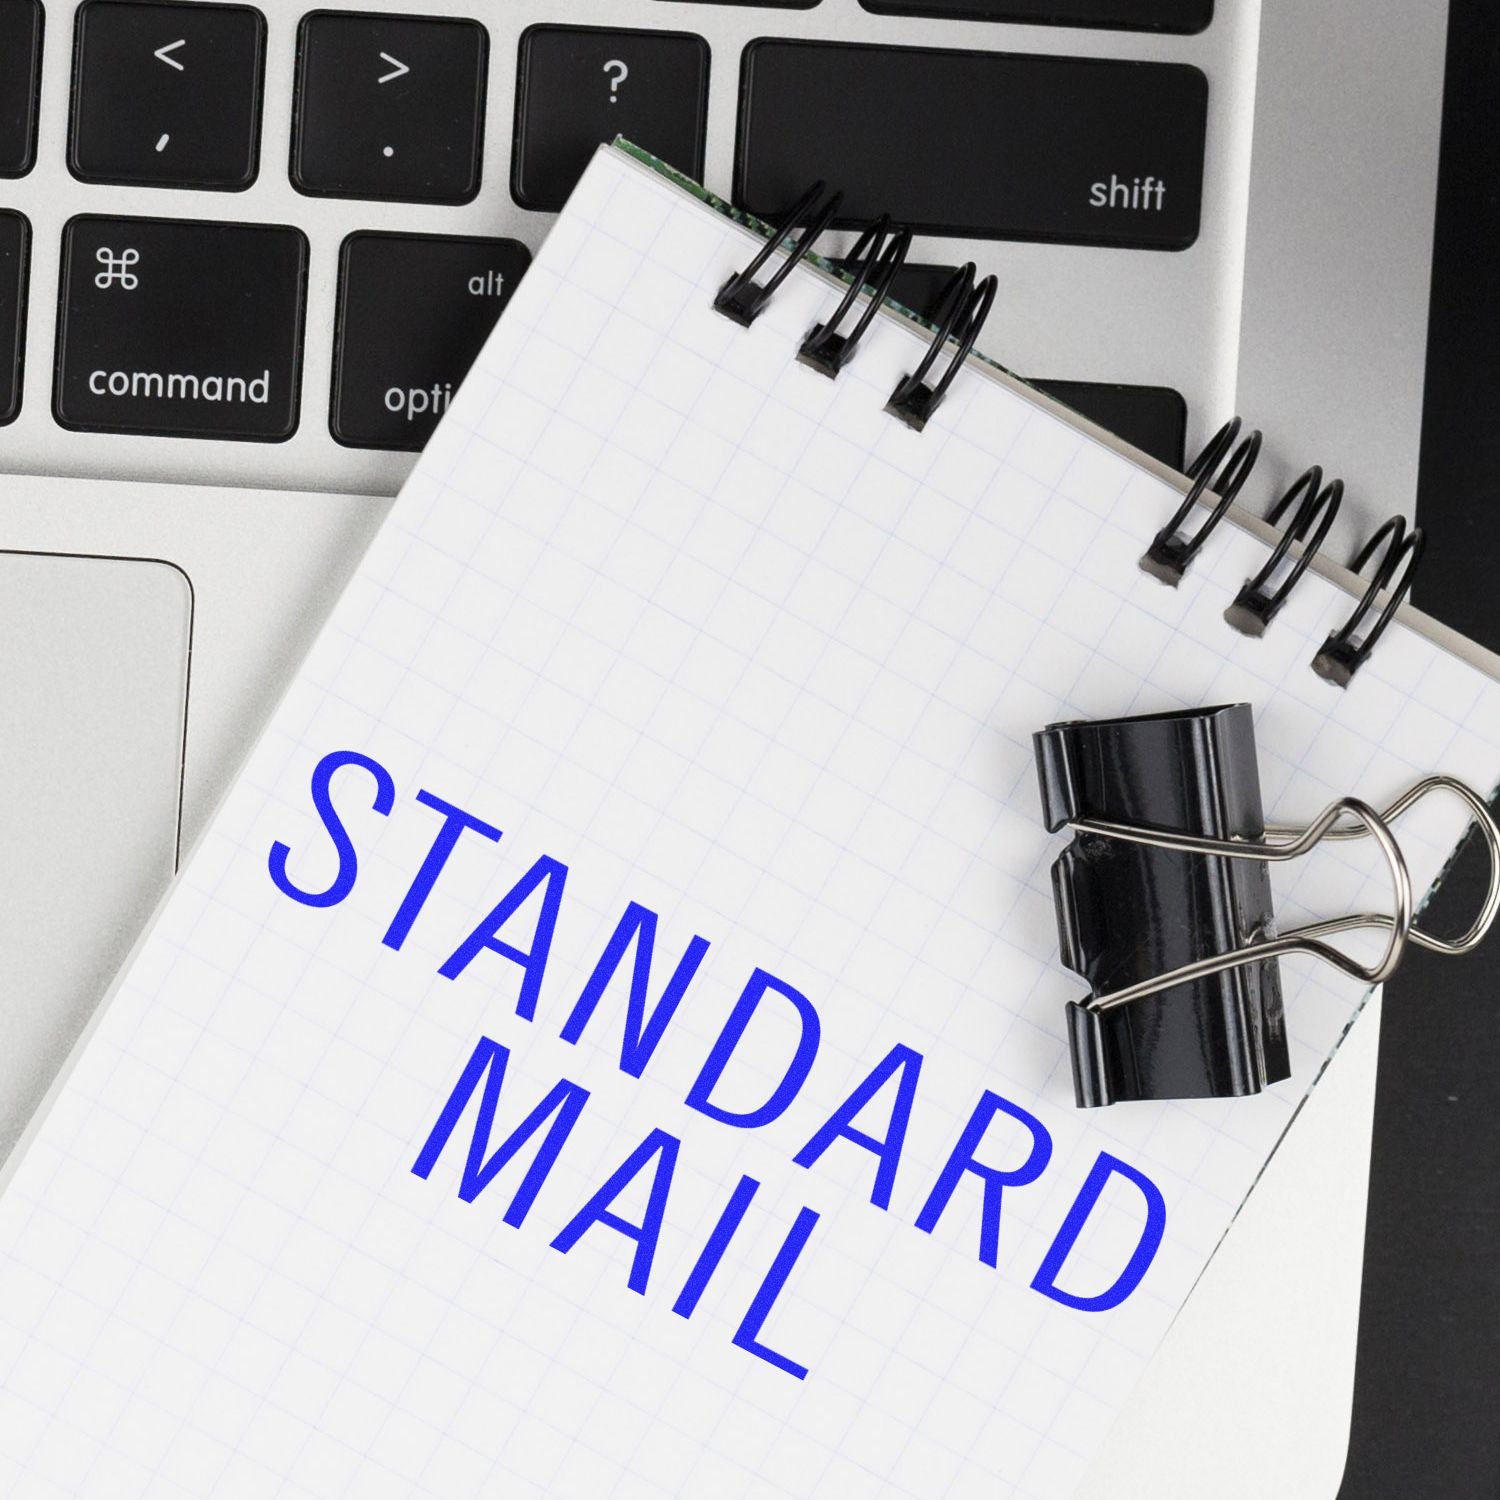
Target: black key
1122, 15
1152, 418
414, 310
991, 144
180, 328
389, 107
581, 85
20, 77
919, 287
15, 240
167, 95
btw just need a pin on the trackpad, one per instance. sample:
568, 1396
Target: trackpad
93, 703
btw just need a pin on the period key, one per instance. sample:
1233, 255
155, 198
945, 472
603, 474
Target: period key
413, 312
389, 107
180, 328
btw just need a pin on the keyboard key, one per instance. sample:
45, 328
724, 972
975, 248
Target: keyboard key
20, 76
389, 107
15, 238
995, 145
180, 328
580, 85
414, 310
167, 95
1124, 15
1152, 418
919, 287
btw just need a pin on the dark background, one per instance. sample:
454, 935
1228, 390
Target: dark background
1427, 1380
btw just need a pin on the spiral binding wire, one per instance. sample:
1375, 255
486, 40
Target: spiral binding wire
742, 297
878, 254
962, 311
1171, 550
1399, 551
1257, 604
1346, 650
1221, 468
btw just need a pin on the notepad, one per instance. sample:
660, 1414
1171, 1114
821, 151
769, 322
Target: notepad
610, 1040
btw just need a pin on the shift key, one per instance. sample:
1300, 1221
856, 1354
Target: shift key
180, 328
1088, 151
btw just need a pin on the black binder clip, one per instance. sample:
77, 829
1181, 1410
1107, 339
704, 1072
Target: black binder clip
1164, 901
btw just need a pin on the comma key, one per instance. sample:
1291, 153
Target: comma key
167, 95
414, 310
180, 328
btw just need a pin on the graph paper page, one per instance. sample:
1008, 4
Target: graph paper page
355, 1191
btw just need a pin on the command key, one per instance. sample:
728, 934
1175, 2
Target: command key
180, 328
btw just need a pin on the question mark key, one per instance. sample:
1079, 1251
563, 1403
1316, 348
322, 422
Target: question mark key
581, 86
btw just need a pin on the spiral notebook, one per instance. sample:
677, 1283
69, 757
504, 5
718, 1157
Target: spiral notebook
610, 1040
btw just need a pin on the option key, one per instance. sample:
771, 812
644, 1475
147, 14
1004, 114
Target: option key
413, 312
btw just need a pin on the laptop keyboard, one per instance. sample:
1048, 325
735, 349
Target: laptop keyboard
203, 328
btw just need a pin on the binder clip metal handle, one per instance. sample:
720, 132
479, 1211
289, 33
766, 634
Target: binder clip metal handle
1367, 823
1181, 947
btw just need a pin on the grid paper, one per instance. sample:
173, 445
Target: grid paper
726, 640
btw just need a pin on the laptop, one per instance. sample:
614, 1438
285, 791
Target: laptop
247, 252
